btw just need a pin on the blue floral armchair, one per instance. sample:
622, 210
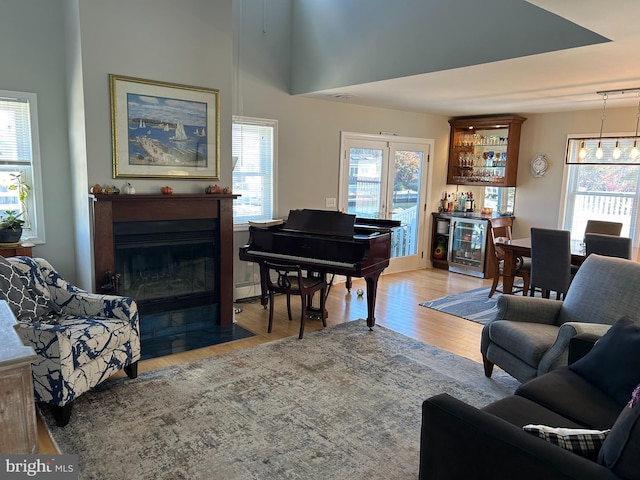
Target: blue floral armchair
80, 338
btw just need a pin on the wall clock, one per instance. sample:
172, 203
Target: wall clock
539, 165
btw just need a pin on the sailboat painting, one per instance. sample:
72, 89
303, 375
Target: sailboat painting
167, 129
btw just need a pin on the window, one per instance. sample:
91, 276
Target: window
20, 160
254, 147
500, 199
606, 188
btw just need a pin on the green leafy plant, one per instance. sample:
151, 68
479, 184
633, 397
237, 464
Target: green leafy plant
21, 186
11, 220
23, 189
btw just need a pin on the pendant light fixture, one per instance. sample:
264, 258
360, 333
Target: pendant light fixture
583, 151
599, 153
622, 153
616, 151
634, 151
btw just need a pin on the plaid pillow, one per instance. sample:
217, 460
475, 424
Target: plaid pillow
583, 442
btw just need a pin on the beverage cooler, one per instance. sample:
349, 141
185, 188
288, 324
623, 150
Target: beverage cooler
467, 242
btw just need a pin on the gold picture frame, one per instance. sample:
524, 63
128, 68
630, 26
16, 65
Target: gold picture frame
164, 130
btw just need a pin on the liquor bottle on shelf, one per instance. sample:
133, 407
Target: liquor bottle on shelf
470, 204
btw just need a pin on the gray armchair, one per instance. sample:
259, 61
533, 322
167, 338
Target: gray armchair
530, 336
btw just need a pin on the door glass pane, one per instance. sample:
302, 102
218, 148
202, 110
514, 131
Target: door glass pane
405, 201
365, 177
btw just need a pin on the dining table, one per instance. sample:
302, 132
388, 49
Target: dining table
521, 247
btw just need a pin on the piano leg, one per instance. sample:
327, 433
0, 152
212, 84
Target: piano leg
264, 294
348, 284
372, 288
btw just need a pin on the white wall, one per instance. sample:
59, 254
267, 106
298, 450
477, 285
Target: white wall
186, 42
32, 49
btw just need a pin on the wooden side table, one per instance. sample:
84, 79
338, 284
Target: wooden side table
19, 433
18, 249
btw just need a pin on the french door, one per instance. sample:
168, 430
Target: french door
386, 177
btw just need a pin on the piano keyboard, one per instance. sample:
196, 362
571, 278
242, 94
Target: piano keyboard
292, 258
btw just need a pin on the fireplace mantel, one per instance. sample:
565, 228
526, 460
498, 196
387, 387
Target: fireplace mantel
110, 209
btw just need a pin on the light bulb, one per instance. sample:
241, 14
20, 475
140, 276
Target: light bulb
634, 151
582, 153
616, 151
599, 153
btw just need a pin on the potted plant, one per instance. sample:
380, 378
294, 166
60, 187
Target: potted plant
11, 226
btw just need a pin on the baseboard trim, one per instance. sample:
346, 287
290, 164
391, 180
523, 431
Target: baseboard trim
250, 290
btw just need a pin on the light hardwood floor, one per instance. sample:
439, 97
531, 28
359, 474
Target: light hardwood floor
397, 308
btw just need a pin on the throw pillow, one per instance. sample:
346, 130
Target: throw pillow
15, 292
581, 441
619, 451
29, 271
613, 365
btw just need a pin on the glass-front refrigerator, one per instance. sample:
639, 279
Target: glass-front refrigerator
467, 241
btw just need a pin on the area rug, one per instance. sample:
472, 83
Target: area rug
343, 403
473, 305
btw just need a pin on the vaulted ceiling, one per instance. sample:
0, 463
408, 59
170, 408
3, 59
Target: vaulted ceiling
563, 76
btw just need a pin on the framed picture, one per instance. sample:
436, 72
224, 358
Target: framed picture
164, 130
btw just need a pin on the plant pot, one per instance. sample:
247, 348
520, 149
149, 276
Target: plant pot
9, 235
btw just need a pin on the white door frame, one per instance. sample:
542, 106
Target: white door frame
412, 262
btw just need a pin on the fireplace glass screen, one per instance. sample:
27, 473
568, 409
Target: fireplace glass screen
167, 265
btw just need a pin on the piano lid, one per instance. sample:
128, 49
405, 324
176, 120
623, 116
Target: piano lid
320, 222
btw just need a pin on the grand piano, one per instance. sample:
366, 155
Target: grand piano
325, 242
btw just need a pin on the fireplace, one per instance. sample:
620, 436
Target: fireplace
174, 255
166, 265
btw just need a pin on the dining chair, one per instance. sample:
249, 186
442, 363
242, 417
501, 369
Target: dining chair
550, 261
289, 280
608, 245
501, 230
603, 227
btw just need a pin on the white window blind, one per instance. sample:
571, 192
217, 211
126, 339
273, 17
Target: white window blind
254, 146
19, 159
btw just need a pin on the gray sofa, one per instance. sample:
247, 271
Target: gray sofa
530, 336
459, 441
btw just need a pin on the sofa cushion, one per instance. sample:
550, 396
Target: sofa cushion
620, 450
613, 365
530, 340
568, 394
520, 411
580, 441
